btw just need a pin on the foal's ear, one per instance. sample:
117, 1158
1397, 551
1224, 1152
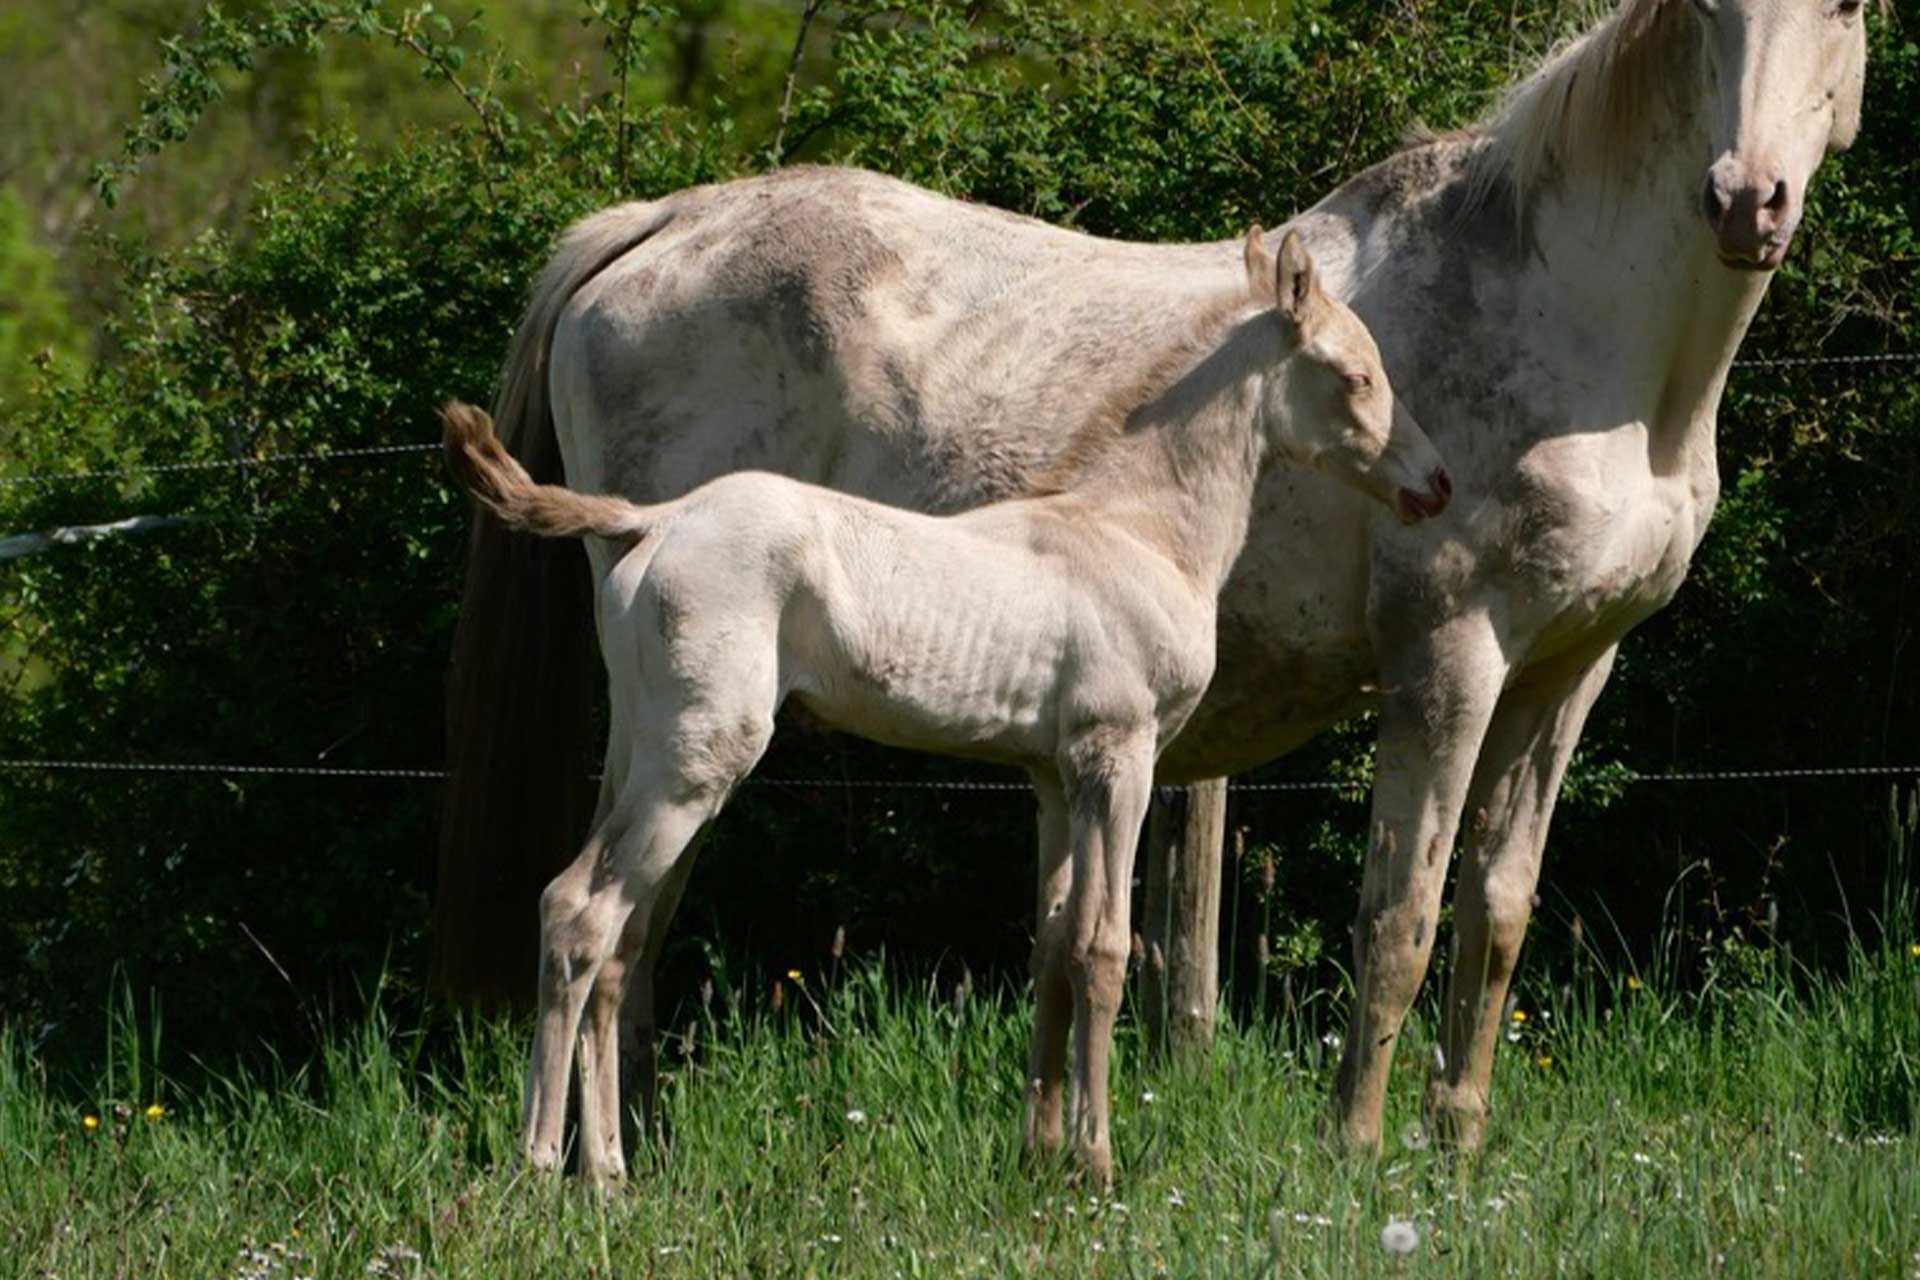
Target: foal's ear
1296, 280
1260, 265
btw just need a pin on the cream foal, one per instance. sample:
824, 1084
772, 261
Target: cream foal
1070, 634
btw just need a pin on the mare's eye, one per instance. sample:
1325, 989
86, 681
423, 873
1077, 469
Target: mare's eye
1358, 382
1847, 8
1707, 7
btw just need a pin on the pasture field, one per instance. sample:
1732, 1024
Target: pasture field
870, 1128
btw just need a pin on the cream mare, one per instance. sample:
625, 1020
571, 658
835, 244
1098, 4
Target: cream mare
1558, 291
1071, 635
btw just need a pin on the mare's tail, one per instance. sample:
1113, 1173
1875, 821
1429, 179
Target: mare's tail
491, 474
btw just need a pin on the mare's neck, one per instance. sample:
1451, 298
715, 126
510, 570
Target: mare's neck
1182, 477
1619, 231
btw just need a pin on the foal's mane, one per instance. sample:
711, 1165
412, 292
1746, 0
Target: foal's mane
1582, 106
1105, 428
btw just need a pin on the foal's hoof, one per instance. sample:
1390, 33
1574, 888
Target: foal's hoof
1094, 1169
605, 1180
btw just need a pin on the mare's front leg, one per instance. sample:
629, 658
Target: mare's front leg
1441, 687
1509, 806
1052, 986
1110, 778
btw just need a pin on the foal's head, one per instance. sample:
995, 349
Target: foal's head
1331, 405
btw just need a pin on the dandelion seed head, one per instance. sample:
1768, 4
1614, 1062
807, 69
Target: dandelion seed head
1399, 1236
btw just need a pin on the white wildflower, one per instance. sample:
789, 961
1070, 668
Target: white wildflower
856, 1116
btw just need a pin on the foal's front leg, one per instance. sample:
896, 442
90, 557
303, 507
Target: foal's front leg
1112, 780
1442, 687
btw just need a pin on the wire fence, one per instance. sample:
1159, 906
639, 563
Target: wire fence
1354, 787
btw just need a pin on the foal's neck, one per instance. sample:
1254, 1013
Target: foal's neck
1181, 478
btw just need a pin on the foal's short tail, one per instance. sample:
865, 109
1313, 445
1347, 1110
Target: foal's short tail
482, 464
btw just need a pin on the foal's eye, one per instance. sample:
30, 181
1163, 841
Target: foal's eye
1707, 7
1358, 382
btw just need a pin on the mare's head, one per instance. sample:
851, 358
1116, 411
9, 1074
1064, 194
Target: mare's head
1788, 75
1330, 404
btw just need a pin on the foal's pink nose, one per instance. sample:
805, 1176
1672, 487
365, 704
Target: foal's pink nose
1415, 505
1751, 211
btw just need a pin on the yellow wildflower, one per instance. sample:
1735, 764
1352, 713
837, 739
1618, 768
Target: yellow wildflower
1633, 983
794, 975
155, 1111
1544, 1061
90, 1120
1913, 949
1519, 1015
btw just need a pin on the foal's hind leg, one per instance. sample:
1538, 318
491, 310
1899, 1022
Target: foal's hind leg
616, 881
1052, 990
581, 915
1111, 776
617, 1037
657, 860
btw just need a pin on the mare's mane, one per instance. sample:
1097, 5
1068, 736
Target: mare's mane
1581, 106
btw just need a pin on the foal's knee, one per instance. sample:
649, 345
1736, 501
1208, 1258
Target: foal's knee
572, 938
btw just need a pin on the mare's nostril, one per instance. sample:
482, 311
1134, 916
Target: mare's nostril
1713, 204
1442, 482
1777, 202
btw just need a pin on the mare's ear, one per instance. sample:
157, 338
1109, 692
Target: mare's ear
1260, 266
1296, 281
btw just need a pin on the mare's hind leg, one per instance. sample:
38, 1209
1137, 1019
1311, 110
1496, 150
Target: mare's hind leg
1110, 776
1052, 990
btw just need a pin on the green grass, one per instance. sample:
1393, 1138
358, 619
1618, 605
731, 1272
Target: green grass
872, 1130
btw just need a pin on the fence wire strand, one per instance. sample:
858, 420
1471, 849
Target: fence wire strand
341, 772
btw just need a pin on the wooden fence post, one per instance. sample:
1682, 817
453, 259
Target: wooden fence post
1180, 978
